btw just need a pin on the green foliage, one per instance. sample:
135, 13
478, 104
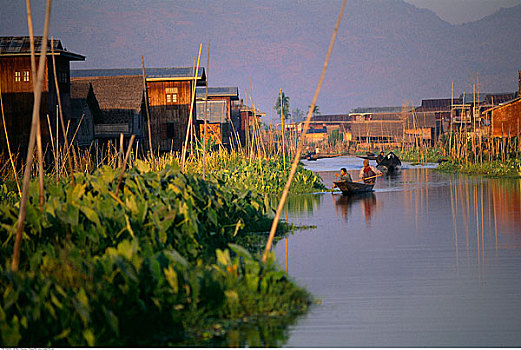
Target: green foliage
6, 195
285, 105
335, 137
152, 266
509, 168
268, 176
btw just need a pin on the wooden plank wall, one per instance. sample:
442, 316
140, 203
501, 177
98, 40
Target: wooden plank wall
8, 67
506, 120
161, 114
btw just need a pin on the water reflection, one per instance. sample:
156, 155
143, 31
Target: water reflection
431, 259
344, 203
261, 332
301, 204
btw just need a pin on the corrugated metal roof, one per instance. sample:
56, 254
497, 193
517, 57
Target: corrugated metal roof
173, 73
391, 109
21, 45
218, 91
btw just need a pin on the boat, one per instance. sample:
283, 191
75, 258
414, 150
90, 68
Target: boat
389, 163
369, 155
348, 187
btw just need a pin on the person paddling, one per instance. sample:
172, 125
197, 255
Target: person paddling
369, 173
344, 176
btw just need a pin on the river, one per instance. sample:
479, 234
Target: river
426, 260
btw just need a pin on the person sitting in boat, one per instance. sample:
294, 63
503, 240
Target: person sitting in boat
380, 157
368, 173
344, 175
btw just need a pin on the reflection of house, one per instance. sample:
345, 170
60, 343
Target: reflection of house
17, 88
123, 106
222, 113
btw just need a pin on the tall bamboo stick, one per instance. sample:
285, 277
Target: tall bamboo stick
125, 161
206, 111
62, 123
294, 165
191, 111
32, 137
282, 133
145, 92
38, 133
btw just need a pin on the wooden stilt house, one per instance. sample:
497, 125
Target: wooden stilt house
17, 81
222, 114
170, 97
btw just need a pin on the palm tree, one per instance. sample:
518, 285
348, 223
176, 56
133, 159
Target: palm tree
298, 115
285, 105
316, 110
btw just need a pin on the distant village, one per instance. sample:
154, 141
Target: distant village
156, 105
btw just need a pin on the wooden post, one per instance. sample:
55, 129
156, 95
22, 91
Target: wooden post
294, 165
206, 111
38, 133
282, 132
145, 91
65, 137
191, 111
32, 137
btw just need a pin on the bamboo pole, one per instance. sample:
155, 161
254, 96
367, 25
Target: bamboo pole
294, 165
64, 130
145, 92
282, 131
206, 111
191, 111
125, 161
32, 137
38, 133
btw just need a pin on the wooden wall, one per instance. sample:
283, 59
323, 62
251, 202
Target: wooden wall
18, 100
169, 122
505, 121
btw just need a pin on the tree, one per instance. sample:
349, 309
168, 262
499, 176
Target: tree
298, 115
285, 104
316, 110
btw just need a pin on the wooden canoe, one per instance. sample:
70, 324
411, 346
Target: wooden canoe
348, 187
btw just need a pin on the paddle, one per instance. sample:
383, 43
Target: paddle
367, 178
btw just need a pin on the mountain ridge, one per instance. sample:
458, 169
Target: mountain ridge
388, 52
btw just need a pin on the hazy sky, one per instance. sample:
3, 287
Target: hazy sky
463, 11
377, 59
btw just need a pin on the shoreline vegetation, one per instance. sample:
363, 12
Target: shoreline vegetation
95, 254
172, 259
468, 153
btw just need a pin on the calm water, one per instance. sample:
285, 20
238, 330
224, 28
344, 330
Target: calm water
428, 259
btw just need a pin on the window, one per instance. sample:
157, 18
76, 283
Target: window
26, 75
17, 76
171, 96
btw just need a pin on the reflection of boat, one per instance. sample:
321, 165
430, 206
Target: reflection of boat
348, 187
367, 200
389, 163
